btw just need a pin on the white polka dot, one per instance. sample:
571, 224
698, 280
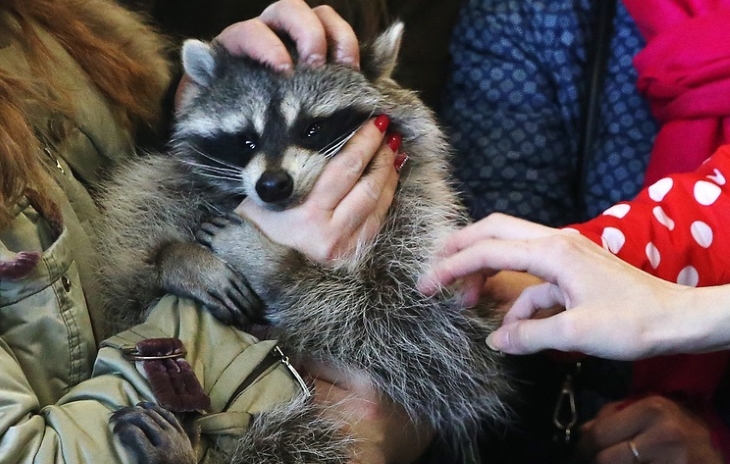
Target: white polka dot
613, 239
717, 177
706, 193
618, 211
662, 217
702, 233
653, 254
660, 188
688, 276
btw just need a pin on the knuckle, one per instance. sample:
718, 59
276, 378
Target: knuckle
566, 328
329, 252
672, 431
371, 189
494, 219
325, 9
657, 405
563, 246
353, 163
276, 8
519, 338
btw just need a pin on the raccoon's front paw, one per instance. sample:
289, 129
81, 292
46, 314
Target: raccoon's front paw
210, 230
248, 251
153, 434
192, 271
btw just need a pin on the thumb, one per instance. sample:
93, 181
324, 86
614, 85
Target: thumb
523, 337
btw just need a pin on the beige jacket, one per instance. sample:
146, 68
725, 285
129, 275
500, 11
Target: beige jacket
51, 409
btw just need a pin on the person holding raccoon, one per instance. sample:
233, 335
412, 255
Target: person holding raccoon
78, 80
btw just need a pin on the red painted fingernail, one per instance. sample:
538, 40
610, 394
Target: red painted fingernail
381, 122
393, 140
400, 160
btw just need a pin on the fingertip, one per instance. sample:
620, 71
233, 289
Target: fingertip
381, 122
304, 27
247, 209
340, 35
427, 284
495, 342
506, 339
253, 38
393, 140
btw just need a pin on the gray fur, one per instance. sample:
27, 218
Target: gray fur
295, 433
427, 354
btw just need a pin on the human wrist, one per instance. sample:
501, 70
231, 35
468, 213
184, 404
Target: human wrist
696, 320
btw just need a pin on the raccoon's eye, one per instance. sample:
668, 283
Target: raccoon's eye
248, 142
312, 130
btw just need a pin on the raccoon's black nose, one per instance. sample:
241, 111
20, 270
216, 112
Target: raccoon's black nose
274, 186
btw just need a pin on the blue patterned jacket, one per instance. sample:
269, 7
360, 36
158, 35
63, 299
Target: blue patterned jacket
514, 109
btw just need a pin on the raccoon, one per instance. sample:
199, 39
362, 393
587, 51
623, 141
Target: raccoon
246, 131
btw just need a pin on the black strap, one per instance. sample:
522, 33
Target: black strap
598, 63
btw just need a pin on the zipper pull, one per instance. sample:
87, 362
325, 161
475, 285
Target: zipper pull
285, 360
565, 415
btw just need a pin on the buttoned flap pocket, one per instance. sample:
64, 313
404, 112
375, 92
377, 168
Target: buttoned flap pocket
44, 318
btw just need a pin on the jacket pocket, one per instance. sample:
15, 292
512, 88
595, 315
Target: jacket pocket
45, 321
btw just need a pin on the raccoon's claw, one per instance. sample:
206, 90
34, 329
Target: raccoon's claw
233, 302
153, 434
236, 304
234, 218
208, 230
205, 235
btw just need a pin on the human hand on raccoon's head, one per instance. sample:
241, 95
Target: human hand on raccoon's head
318, 33
344, 207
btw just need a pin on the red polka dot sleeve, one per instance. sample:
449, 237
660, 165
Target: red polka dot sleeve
674, 229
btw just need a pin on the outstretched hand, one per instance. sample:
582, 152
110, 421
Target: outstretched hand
612, 309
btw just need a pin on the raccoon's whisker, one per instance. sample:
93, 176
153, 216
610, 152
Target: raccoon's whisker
336, 146
332, 148
218, 176
213, 169
214, 159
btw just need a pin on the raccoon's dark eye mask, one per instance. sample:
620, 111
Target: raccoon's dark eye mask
228, 149
327, 134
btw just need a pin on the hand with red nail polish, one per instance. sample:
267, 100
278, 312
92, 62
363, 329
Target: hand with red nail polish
347, 204
393, 141
382, 122
400, 161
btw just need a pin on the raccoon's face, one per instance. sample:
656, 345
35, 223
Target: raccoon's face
247, 130
270, 144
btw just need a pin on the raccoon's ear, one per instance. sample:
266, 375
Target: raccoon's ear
198, 59
379, 58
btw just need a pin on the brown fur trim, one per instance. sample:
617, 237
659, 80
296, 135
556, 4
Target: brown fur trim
21, 266
172, 379
122, 56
